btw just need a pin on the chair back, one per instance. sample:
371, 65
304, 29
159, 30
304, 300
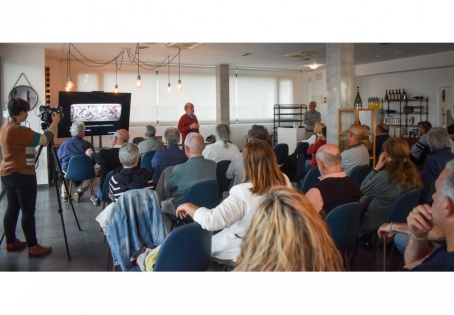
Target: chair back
343, 225
80, 168
203, 194
359, 172
402, 207
186, 248
145, 160
105, 188
137, 140
223, 181
311, 179
300, 167
281, 151
302, 147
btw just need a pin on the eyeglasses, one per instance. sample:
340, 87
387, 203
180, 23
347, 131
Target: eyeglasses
350, 132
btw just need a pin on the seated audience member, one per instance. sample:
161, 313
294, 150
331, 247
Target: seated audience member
150, 143
74, 146
168, 156
381, 135
393, 175
420, 255
335, 187
232, 216
285, 234
222, 149
130, 177
321, 140
420, 150
108, 160
185, 175
438, 141
235, 169
356, 153
317, 133
451, 136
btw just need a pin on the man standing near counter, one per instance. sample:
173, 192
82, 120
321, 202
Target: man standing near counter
188, 122
310, 118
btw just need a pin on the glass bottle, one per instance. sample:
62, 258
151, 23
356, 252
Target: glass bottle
386, 95
404, 95
358, 103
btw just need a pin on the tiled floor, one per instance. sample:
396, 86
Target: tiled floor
87, 248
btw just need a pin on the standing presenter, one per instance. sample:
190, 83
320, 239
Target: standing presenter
18, 176
188, 122
310, 118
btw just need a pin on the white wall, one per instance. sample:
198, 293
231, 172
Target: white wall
29, 61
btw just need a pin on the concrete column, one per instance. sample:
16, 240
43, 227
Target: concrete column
340, 75
222, 95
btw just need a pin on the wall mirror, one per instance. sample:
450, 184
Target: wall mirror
26, 93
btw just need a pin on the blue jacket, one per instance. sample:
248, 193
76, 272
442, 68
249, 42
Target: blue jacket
433, 166
70, 147
163, 158
135, 222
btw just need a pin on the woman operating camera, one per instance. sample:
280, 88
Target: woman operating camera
18, 175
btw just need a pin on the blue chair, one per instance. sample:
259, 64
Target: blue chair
343, 226
80, 168
399, 212
223, 181
145, 160
360, 172
310, 180
186, 248
281, 151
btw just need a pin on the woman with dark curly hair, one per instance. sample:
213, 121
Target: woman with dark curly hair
393, 175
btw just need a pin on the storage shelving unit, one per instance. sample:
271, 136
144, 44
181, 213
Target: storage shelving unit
289, 116
404, 115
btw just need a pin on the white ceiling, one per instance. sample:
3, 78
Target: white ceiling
261, 55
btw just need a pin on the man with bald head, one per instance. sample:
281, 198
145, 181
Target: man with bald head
326, 195
356, 153
108, 160
185, 175
188, 122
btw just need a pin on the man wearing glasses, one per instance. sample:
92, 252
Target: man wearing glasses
310, 118
356, 153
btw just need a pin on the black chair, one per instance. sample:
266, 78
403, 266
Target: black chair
281, 151
105, 190
145, 160
137, 140
223, 181
310, 180
359, 172
343, 226
399, 212
186, 248
302, 147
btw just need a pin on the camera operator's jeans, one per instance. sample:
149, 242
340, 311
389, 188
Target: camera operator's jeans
21, 193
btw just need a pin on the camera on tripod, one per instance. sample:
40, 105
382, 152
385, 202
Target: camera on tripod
45, 112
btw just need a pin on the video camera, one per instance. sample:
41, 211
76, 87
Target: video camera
45, 112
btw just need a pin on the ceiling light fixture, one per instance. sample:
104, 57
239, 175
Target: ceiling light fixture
69, 84
313, 66
116, 85
179, 86
169, 88
139, 81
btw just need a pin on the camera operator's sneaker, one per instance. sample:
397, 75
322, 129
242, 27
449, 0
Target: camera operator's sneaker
77, 196
16, 246
38, 251
96, 201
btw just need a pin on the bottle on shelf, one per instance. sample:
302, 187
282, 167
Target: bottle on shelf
391, 95
404, 95
399, 96
386, 95
358, 103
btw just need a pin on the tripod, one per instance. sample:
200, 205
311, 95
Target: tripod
58, 178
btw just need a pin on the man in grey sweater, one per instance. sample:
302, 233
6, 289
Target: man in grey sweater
356, 153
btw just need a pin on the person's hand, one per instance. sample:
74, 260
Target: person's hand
89, 151
384, 231
195, 126
381, 162
55, 118
186, 209
420, 221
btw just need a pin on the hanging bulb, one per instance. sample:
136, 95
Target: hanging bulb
139, 81
67, 89
169, 88
116, 88
180, 87
69, 84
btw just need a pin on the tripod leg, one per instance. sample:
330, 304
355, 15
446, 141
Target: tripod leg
1, 240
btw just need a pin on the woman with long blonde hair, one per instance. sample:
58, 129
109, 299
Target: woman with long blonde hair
393, 175
232, 216
287, 234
